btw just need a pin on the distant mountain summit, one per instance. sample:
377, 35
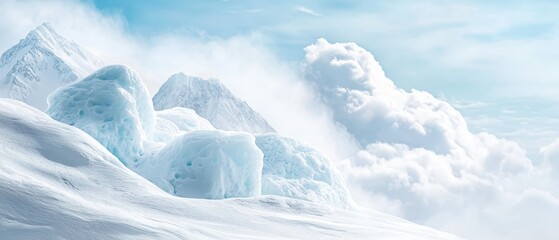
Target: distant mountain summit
40, 63
212, 101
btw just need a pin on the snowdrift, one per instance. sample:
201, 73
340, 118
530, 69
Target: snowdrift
57, 182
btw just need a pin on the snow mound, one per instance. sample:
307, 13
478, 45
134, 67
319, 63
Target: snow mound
293, 169
209, 164
112, 105
40, 63
176, 121
211, 100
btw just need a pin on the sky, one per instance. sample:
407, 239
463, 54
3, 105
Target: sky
340, 75
495, 61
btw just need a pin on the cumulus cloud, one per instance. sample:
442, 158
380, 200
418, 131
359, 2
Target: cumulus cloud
550, 154
419, 158
372, 109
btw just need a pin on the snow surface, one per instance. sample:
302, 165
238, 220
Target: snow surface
113, 106
176, 121
212, 101
57, 182
209, 164
40, 63
296, 170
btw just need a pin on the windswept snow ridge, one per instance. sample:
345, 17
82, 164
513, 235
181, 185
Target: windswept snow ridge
211, 100
40, 63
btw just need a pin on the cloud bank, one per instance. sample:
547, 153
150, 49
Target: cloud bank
419, 159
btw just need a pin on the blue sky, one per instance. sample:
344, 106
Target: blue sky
496, 61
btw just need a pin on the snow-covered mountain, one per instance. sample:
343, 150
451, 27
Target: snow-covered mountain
212, 101
57, 182
40, 63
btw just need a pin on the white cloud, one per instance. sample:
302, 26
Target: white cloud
467, 104
550, 154
307, 10
421, 161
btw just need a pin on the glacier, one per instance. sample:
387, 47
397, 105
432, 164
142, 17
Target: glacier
113, 106
211, 100
209, 164
296, 170
57, 182
40, 63
183, 153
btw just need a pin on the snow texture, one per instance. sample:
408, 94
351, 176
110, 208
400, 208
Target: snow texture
209, 164
40, 63
56, 182
113, 106
176, 121
212, 101
296, 170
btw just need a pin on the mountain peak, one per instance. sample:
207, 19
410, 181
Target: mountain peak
40, 63
180, 76
44, 33
210, 99
45, 27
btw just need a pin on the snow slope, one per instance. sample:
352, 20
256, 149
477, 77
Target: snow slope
40, 63
211, 100
56, 182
